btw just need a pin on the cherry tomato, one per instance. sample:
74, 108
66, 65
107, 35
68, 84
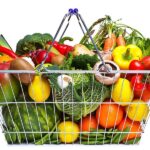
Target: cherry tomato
87, 123
136, 65
137, 85
146, 62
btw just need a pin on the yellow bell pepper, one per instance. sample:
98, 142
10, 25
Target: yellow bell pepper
123, 55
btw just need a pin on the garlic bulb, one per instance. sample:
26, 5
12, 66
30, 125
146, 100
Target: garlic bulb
63, 81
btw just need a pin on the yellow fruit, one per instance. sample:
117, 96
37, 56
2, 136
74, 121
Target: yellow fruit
39, 89
137, 110
122, 92
68, 131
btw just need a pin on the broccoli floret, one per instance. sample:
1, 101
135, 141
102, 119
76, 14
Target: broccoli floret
82, 61
32, 42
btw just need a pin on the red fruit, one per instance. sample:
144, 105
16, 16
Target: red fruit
109, 115
87, 123
136, 65
146, 62
137, 85
146, 93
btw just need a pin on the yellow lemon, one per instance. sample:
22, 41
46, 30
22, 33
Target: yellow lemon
68, 131
137, 110
122, 92
39, 89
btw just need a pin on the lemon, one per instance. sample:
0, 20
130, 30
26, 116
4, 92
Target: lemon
122, 92
68, 131
138, 110
39, 89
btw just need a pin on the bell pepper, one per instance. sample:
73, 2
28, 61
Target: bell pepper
8, 52
123, 55
62, 48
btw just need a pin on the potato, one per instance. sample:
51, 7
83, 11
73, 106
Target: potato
21, 64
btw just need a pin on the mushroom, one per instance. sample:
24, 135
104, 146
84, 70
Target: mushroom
104, 77
63, 81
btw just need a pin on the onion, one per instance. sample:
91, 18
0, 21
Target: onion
106, 78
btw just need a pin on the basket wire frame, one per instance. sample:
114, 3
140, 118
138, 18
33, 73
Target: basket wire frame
49, 133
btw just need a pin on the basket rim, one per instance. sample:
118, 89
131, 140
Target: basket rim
75, 71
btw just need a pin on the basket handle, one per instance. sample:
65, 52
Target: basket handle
81, 22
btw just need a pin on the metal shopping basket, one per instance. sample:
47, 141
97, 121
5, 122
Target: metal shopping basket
24, 121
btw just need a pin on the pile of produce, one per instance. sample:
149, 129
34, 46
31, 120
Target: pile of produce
106, 104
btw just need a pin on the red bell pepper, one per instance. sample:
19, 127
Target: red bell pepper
8, 52
62, 48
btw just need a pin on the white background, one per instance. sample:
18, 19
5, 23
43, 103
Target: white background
21, 17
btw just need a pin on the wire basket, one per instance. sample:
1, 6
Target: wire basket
26, 119
29, 122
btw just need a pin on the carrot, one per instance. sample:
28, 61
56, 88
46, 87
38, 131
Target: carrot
120, 41
109, 42
114, 39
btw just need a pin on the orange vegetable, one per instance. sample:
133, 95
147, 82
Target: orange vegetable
120, 41
134, 127
110, 42
5, 58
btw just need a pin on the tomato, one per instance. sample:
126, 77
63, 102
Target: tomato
136, 65
137, 85
146, 62
109, 114
146, 93
134, 127
87, 123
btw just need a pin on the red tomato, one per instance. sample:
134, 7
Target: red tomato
146, 62
136, 65
146, 93
137, 85
87, 123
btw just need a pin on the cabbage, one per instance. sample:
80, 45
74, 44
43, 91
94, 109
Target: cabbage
81, 97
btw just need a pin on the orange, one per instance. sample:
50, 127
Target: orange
109, 114
134, 127
87, 123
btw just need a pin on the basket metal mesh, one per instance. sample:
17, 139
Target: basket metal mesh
30, 135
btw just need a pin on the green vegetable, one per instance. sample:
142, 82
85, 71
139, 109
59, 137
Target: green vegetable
133, 141
65, 39
32, 42
146, 50
78, 99
3, 42
81, 61
29, 118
